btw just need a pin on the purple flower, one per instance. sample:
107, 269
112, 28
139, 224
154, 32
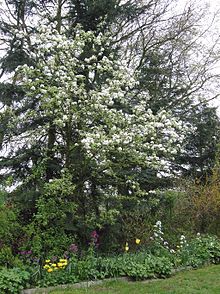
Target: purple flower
25, 252
73, 248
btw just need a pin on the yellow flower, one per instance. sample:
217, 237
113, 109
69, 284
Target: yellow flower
46, 266
137, 241
54, 264
126, 246
63, 260
49, 270
60, 264
47, 261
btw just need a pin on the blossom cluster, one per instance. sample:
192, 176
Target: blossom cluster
91, 100
85, 93
51, 266
158, 233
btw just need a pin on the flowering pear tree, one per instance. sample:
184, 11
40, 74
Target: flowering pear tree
90, 126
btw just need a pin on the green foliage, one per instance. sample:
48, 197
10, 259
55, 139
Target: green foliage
90, 14
136, 266
51, 241
201, 148
3, 195
205, 202
199, 251
48, 233
144, 266
174, 208
12, 281
87, 269
57, 278
7, 224
7, 258
194, 208
156, 261
10, 236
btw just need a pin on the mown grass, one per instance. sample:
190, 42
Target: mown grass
203, 281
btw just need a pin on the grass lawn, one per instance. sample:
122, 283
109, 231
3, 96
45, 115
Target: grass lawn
203, 281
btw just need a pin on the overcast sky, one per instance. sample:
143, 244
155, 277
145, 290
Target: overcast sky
214, 7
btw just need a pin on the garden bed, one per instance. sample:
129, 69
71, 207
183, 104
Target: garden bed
87, 284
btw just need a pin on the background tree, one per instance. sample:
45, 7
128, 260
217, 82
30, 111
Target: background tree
103, 131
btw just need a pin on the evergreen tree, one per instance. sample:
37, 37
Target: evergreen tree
198, 159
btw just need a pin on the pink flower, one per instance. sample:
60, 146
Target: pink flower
95, 238
94, 235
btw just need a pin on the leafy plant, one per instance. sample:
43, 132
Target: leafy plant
57, 278
199, 251
7, 258
12, 281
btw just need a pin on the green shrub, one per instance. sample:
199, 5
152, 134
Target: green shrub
7, 258
12, 281
11, 234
